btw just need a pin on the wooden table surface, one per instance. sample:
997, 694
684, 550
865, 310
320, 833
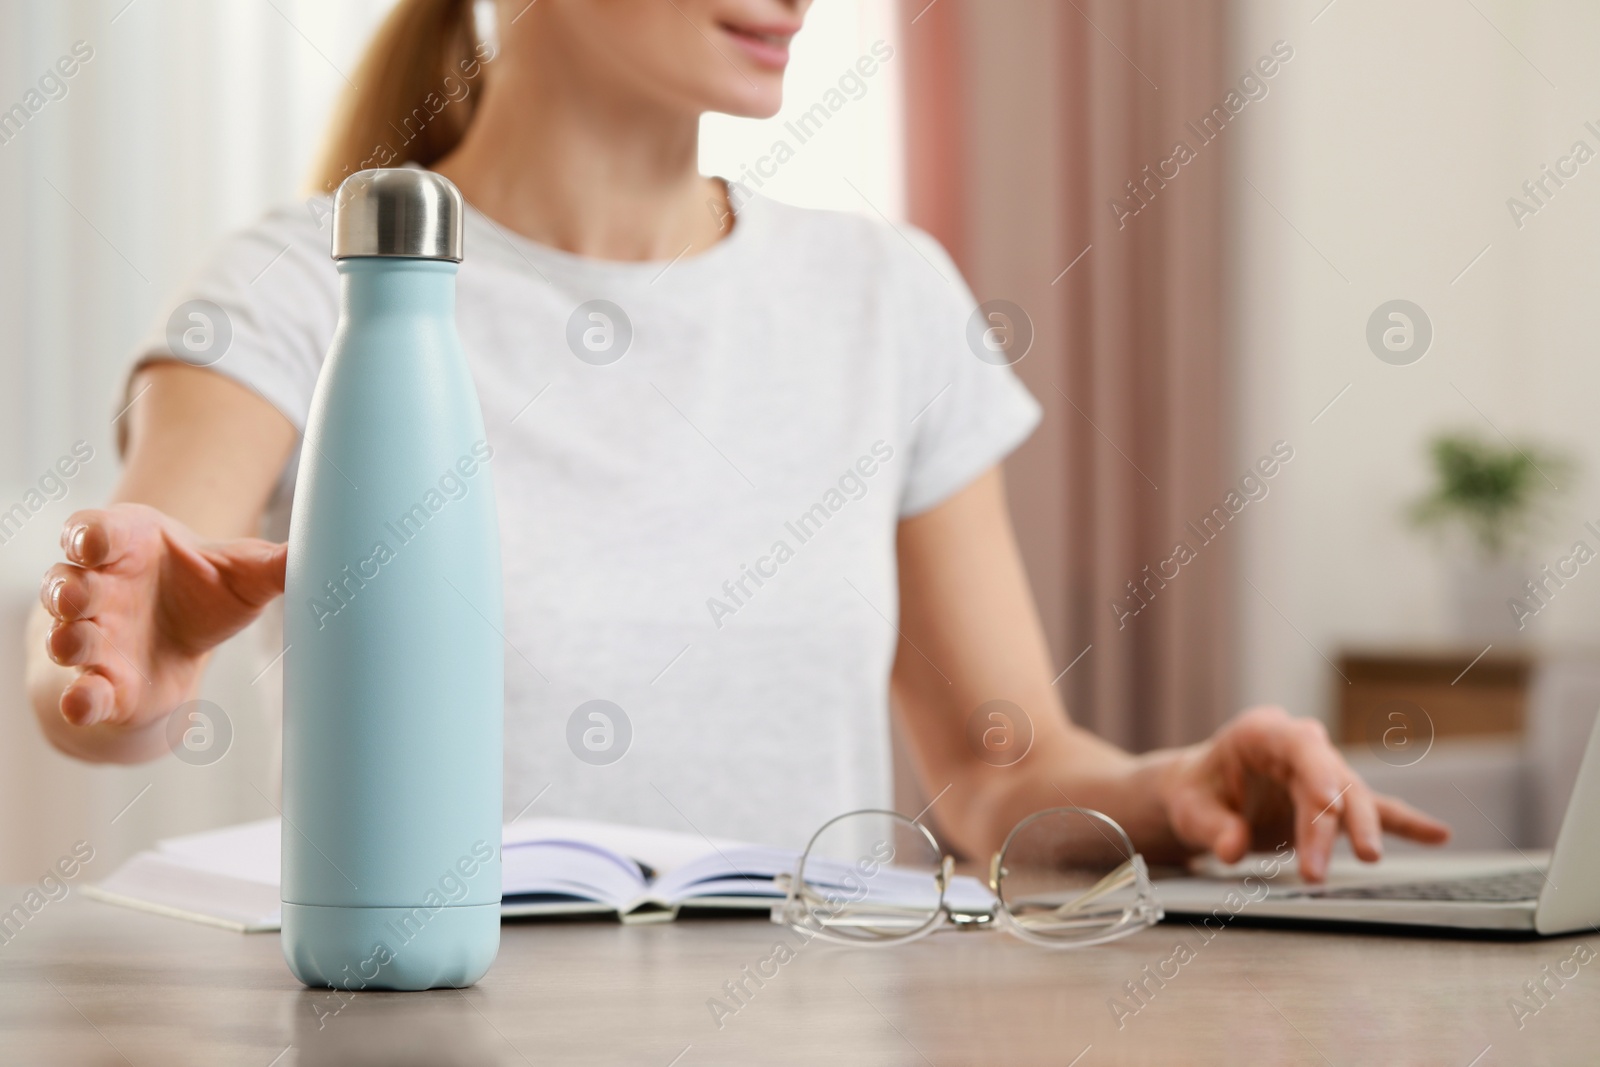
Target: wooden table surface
89, 983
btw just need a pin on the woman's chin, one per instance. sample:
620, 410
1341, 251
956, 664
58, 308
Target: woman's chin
753, 101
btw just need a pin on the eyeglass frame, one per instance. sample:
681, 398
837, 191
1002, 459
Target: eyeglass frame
1145, 912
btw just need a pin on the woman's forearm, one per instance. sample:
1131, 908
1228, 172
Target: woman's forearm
1084, 771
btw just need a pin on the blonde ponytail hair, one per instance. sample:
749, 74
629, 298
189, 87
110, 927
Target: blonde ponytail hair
415, 92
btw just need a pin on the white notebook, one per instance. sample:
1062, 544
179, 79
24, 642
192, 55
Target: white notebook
549, 866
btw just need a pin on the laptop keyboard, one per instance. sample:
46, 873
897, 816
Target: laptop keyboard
1491, 888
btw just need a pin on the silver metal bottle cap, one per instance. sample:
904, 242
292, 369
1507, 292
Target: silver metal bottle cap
397, 211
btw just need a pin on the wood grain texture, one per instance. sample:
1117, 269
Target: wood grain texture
88, 983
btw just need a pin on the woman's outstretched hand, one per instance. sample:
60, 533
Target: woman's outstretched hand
1266, 778
136, 608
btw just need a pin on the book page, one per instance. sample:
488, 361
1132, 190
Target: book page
565, 869
737, 870
250, 851
662, 851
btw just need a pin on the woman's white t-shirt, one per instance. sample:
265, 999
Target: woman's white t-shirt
698, 484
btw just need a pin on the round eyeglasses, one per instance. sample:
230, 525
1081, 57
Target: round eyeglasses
1064, 878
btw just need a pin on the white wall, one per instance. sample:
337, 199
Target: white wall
859, 145
1390, 144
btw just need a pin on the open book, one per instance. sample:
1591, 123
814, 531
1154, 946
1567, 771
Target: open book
549, 866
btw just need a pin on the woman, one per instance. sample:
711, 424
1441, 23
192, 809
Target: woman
762, 497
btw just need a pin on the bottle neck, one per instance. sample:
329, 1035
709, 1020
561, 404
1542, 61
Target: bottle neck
391, 285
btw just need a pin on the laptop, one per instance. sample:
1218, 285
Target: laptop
1530, 892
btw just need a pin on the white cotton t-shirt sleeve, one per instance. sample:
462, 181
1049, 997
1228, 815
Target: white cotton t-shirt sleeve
278, 293
966, 414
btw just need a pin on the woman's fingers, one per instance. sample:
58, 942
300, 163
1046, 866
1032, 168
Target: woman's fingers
103, 670
70, 593
1316, 825
88, 699
1326, 795
1318, 785
1200, 818
1362, 822
1401, 818
1333, 795
74, 644
96, 537
139, 603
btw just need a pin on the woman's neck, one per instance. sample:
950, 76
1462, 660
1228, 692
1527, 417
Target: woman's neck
585, 172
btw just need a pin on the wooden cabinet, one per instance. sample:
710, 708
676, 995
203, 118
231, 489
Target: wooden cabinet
1459, 697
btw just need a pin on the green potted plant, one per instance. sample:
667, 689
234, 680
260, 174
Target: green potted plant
1487, 499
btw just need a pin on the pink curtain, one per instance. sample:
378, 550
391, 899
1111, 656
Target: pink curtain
1030, 128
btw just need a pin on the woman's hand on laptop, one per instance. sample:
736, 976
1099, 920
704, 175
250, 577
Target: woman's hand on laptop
970, 634
1266, 778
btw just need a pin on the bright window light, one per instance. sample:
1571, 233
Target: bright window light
838, 128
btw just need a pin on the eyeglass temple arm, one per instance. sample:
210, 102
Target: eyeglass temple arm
1125, 874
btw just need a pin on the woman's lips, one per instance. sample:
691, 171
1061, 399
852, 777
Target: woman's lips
768, 46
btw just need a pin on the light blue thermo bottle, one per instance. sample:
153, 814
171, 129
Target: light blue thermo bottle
393, 660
